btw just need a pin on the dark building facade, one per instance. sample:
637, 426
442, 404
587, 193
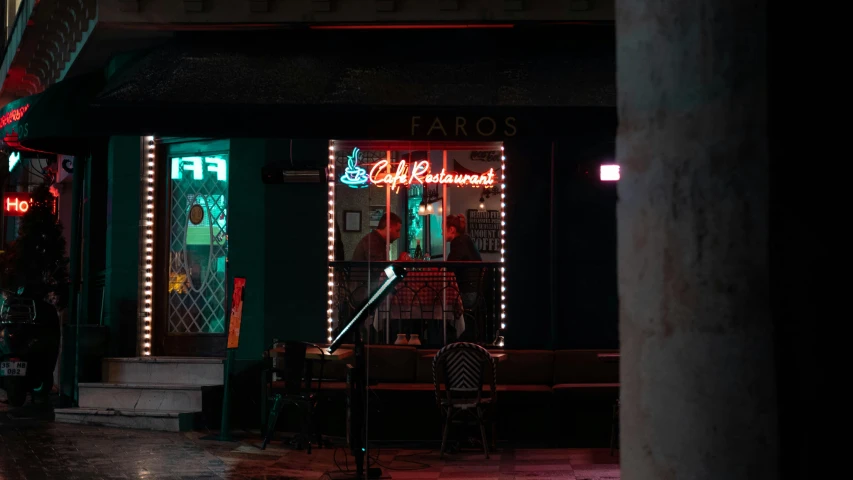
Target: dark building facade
170, 139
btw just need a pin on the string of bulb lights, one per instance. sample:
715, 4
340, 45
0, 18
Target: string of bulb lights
148, 275
500, 340
331, 280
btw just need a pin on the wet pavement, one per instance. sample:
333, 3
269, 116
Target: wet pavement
37, 448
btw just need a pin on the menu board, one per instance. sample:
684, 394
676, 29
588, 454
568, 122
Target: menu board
484, 228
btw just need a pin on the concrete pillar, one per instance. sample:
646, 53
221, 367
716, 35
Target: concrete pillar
698, 388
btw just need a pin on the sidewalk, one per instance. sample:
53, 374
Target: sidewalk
35, 449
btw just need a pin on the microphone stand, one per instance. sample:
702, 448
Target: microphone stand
358, 400
358, 405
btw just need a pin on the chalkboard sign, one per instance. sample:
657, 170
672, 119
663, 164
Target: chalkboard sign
484, 228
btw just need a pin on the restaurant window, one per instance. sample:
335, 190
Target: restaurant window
198, 179
440, 209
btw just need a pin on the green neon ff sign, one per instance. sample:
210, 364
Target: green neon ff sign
198, 166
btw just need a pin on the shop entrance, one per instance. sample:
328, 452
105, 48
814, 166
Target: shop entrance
193, 319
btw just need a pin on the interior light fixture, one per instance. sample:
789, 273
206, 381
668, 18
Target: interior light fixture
610, 173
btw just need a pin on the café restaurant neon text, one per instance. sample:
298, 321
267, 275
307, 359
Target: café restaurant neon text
419, 172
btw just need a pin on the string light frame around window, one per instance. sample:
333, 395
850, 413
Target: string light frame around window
331, 178
500, 340
330, 174
148, 245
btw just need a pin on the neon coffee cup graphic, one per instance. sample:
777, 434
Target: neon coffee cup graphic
354, 176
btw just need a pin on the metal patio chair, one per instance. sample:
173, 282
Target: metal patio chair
462, 366
295, 379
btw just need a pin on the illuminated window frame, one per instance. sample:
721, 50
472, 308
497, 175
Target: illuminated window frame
331, 178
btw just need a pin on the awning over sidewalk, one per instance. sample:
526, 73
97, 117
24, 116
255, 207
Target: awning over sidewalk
59, 119
336, 84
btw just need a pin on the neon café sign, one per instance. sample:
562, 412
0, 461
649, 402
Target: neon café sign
408, 173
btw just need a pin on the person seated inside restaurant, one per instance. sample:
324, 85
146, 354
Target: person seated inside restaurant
373, 246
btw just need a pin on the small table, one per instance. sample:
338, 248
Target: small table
312, 353
608, 357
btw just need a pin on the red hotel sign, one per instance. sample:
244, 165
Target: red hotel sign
16, 204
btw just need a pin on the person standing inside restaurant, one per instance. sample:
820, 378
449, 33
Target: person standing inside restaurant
462, 249
373, 247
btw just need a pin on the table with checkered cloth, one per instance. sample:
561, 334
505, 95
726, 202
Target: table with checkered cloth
429, 294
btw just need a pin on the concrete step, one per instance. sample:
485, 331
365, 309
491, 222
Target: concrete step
175, 370
143, 396
164, 421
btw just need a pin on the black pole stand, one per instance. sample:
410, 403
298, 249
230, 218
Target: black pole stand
358, 434
357, 378
357, 403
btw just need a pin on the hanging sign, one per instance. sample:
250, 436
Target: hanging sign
66, 168
236, 312
406, 173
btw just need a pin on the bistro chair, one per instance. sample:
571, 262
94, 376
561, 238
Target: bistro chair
462, 366
295, 394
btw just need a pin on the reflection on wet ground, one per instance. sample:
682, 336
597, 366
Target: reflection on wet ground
36, 448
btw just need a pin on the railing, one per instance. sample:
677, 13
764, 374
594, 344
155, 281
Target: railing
441, 302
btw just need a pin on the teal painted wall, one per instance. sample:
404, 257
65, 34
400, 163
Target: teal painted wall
247, 244
296, 247
122, 244
277, 240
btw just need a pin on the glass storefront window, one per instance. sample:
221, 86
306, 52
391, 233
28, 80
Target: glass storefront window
448, 202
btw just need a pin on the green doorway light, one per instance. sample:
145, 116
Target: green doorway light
14, 158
